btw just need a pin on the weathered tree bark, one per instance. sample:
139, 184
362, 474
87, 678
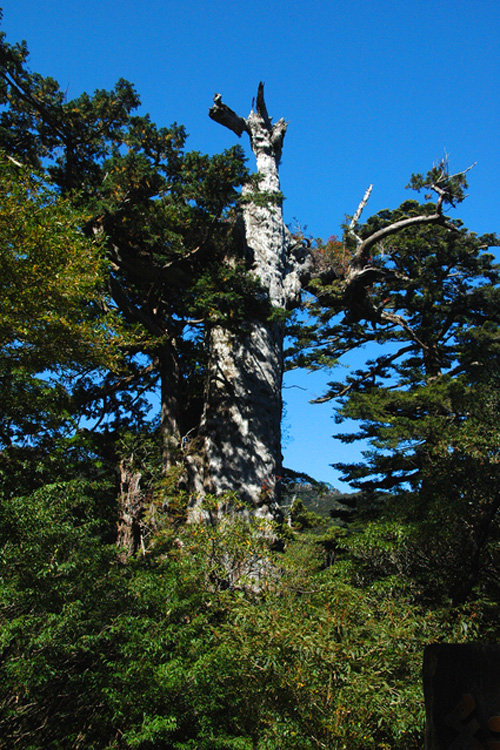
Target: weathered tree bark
241, 424
130, 510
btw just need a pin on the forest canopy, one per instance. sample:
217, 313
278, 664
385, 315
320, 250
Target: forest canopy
164, 582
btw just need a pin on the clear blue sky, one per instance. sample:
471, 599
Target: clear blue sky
373, 91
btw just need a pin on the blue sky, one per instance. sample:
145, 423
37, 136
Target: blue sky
372, 91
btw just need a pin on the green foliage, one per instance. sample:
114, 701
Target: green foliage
55, 325
302, 518
438, 179
51, 297
163, 217
168, 652
208, 639
425, 303
226, 633
55, 573
263, 198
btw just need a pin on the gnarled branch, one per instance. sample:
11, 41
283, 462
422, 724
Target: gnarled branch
257, 122
358, 213
224, 115
362, 255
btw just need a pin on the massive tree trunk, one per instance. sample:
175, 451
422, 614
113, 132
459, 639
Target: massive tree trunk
241, 425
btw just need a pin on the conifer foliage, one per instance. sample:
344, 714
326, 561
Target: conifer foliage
421, 293
162, 216
122, 626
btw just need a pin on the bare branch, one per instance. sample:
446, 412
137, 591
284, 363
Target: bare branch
361, 256
378, 366
400, 321
21, 90
14, 161
462, 172
131, 312
222, 114
360, 209
108, 389
181, 258
278, 133
261, 106
357, 215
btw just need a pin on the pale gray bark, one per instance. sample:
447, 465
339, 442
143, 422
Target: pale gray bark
241, 425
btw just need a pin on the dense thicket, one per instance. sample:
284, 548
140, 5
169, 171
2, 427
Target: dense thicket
120, 256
